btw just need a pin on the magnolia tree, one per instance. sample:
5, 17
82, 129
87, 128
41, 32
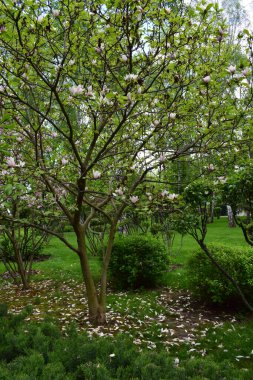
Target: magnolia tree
100, 95
21, 200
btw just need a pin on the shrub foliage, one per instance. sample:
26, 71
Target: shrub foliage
209, 283
137, 261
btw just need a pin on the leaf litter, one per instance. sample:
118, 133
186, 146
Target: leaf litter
166, 317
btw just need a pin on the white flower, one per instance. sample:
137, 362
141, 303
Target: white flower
176, 361
11, 162
231, 69
96, 174
94, 61
40, 18
56, 12
207, 79
139, 90
90, 92
164, 193
211, 167
21, 164
167, 10
134, 199
112, 355
1, 88
222, 179
129, 96
172, 196
131, 77
71, 62
156, 122
162, 157
172, 115
64, 161
75, 90
124, 58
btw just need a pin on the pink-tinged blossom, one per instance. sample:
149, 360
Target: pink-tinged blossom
172, 115
134, 199
54, 134
96, 174
1, 88
100, 48
124, 58
2, 28
40, 18
4, 172
11, 162
162, 157
76, 90
56, 12
231, 69
167, 10
156, 122
64, 161
207, 79
119, 191
246, 72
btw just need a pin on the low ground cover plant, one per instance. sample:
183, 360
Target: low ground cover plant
40, 351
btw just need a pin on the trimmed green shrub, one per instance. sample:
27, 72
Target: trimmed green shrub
207, 282
137, 261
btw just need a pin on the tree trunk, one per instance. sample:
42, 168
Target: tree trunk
231, 221
106, 260
97, 314
21, 268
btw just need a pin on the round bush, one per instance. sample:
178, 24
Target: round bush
137, 261
210, 284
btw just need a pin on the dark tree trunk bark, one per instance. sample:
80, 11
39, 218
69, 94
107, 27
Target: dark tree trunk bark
97, 312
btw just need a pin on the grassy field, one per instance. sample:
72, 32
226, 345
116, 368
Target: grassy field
166, 319
64, 264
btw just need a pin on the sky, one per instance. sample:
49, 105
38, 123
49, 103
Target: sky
248, 5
